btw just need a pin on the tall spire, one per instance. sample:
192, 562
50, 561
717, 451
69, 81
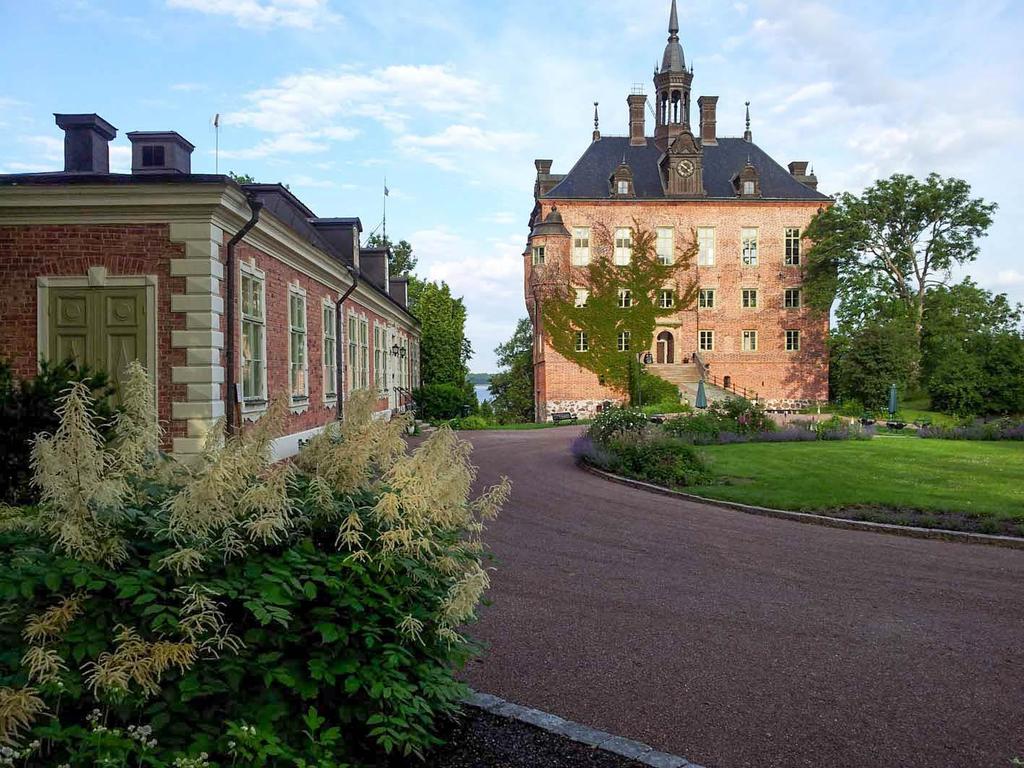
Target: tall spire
747, 135
673, 60
597, 131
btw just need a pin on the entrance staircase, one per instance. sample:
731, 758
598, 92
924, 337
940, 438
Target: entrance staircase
686, 376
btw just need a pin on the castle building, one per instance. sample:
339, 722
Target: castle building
748, 332
231, 295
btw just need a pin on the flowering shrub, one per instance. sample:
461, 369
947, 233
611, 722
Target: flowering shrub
1000, 429
733, 415
236, 612
616, 421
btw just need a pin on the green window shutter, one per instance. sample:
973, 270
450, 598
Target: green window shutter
122, 330
69, 334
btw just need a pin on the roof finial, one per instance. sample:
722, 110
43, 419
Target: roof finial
673, 21
597, 130
747, 135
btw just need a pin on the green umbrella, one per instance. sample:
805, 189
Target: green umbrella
892, 401
702, 397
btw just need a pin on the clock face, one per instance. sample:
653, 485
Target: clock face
685, 168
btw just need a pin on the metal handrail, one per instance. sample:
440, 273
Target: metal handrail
747, 394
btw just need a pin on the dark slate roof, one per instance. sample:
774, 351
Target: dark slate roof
589, 178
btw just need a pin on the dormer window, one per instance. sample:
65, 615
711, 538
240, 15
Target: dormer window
622, 181
153, 156
747, 182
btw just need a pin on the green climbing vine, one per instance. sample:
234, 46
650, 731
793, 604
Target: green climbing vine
602, 317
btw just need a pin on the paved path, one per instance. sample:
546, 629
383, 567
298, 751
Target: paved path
738, 640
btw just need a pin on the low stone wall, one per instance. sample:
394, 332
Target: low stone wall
582, 409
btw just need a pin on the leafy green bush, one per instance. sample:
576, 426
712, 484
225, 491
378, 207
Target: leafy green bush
440, 402
657, 459
470, 422
616, 421
236, 613
734, 415
654, 389
667, 406
28, 407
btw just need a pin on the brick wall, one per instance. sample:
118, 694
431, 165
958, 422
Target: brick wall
31, 251
778, 376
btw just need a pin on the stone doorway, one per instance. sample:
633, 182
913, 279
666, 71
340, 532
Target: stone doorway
666, 348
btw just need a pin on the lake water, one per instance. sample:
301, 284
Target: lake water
482, 393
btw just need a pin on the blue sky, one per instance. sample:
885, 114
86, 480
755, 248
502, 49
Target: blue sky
453, 99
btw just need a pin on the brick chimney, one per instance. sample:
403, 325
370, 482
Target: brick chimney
545, 179
637, 103
400, 290
160, 152
708, 106
86, 142
798, 170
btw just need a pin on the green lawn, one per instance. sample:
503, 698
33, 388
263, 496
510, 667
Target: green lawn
971, 480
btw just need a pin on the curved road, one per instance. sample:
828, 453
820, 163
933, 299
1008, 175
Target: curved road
737, 640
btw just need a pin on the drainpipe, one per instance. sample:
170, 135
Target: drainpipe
339, 340
232, 421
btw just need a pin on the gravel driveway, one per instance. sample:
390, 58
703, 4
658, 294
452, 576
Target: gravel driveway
738, 640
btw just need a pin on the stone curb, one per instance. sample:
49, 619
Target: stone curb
607, 742
940, 534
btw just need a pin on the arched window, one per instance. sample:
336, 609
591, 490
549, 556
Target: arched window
676, 97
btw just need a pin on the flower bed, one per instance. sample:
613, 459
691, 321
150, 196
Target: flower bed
1000, 429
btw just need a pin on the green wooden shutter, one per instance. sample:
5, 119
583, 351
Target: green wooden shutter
70, 337
104, 328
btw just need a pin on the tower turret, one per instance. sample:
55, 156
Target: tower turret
672, 87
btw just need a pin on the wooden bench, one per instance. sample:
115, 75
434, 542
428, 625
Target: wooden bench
558, 418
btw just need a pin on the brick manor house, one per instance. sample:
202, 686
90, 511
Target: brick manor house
749, 331
231, 295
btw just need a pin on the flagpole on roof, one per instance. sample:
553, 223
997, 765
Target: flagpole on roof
384, 224
216, 145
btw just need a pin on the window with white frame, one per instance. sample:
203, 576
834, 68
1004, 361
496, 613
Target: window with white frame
748, 246
748, 298
623, 247
706, 246
623, 187
254, 337
748, 187
580, 246
791, 298
298, 381
623, 340
667, 298
792, 257
353, 350
582, 341
625, 298
415, 364
792, 340
582, 296
706, 341
538, 254
330, 353
750, 341
364, 353
378, 369
706, 298
664, 246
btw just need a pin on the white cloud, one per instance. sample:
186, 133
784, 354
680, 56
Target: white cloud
283, 144
502, 217
317, 100
188, 87
1009, 277
299, 14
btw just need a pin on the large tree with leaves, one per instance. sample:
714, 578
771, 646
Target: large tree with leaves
603, 317
512, 387
445, 350
899, 238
